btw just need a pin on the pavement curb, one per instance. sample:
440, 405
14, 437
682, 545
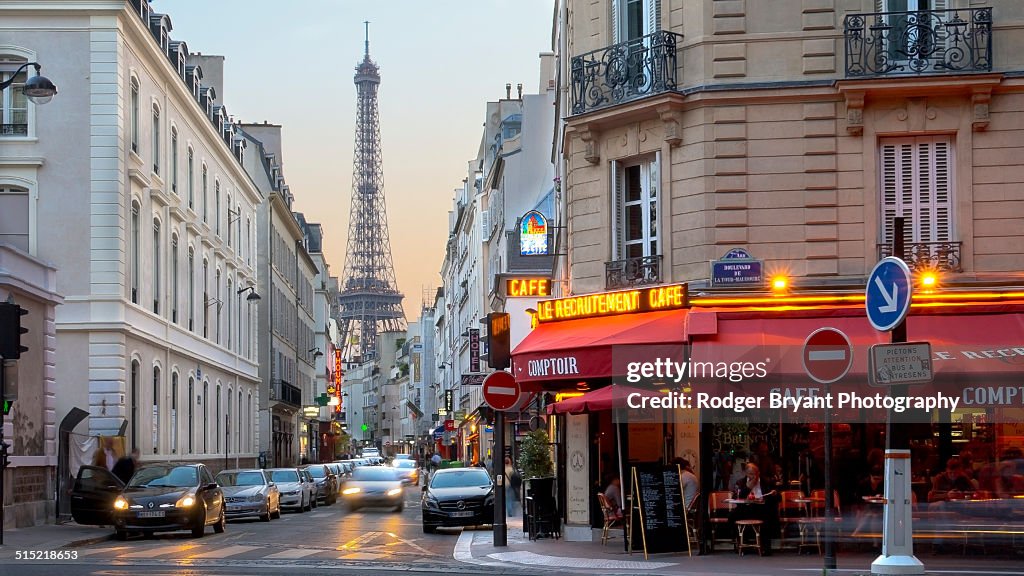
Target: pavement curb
88, 541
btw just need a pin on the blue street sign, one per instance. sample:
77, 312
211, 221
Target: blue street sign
887, 296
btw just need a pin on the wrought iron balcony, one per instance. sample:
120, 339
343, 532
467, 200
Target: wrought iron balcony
13, 129
632, 272
921, 42
288, 394
937, 256
624, 71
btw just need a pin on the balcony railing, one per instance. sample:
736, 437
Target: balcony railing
13, 129
285, 392
921, 42
632, 272
936, 256
625, 71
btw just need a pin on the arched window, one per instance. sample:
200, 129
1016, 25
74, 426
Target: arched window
248, 427
219, 304
229, 220
227, 420
174, 278
206, 193
191, 178
174, 413
191, 288
230, 306
191, 402
156, 410
216, 423
238, 424
206, 416
174, 160
156, 139
156, 266
206, 298
136, 252
135, 115
216, 207
133, 439
248, 247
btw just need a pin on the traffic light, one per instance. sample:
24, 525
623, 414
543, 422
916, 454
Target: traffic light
498, 348
11, 331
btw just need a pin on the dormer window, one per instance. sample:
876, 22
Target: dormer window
144, 10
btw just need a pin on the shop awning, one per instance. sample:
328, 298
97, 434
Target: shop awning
607, 398
582, 349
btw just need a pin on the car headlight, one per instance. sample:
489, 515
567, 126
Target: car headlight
352, 490
431, 502
394, 492
256, 498
120, 503
291, 493
185, 501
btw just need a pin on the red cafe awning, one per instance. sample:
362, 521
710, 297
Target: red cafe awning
582, 349
966, 341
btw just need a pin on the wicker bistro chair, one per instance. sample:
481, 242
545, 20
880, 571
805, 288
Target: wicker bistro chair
691, 521
790, 512
816, 521
718, 515
611, 520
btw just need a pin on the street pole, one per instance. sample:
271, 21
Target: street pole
830, 510
498, 464
3, 445
895, 434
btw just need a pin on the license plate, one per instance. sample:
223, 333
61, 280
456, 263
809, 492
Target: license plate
464, 514
152, 514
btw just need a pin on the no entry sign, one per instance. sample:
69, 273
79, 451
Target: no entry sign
828, 355
501, 391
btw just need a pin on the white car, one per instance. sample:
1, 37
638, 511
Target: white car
370, 452
296, 493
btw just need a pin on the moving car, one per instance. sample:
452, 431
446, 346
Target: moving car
250, 493
457, 497
407, 471
158, 498
403, 457
295, 492
367, 452
373, 486
326, 483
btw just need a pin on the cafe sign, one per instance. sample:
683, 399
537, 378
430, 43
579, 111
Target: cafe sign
527, 287
737, 268
670, 297
533, 234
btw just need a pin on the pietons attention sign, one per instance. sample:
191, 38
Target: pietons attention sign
670, 297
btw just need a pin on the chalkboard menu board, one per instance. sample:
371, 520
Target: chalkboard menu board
657, 516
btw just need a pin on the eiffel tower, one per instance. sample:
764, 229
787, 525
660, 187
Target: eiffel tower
369, 300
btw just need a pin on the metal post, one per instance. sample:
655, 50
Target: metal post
895, 434
498, 463
830, 511
3, 446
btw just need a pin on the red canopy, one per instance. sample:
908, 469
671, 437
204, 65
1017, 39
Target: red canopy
612, 396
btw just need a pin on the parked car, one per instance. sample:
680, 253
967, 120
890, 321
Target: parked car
296, 492
457, 497
407, 471
250, 493
374, 486
339, 475
310, 483
367, 452
158, 498
326, 483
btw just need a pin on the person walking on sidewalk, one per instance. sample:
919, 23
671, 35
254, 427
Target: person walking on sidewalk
513, 482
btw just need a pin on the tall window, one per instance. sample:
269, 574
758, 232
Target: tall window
206, 194
191, 288
230, 306
248, 246
191, 179
218, 302
13, 104
133, 440
156, 139
156, 266
238, 423
136, 252
635, 214
174, 160
174, 278
135, 115
206, 298
191, 413
229, 220
174, 413
227, 420
156, 410
917, 183
206, 417
216, 209
14, 215
216, 423
248, 424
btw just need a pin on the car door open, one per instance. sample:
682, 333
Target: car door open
92, 498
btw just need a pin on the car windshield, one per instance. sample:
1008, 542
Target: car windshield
284, 476
403, 457
165, 476
461, 479
373, 474
317, 472
405, 464
240, 479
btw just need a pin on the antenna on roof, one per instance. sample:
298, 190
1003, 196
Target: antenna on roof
367, 23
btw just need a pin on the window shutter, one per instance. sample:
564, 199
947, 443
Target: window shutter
485, 225
618, 234
917, 183
653, 16
654, 187
890, 161
933, 194
616, 8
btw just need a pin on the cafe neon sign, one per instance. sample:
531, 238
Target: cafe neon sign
526, 287
533, 235
668, 297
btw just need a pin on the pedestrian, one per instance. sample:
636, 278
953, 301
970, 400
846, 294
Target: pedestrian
105, 456
125, 468
513, 482
435, 461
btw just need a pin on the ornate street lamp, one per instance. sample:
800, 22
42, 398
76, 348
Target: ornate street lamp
38, 89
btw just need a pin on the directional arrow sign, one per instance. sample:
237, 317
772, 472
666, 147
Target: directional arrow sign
887, 296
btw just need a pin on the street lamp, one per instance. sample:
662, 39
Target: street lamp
253, 296
38, 89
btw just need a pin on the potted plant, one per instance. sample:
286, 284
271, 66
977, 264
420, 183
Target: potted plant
535, 456
537, 470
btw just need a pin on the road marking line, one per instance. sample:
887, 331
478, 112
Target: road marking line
360, 556
532, 559
294, 553
463, 552
101, 550
357, 542
225, 552
158, 551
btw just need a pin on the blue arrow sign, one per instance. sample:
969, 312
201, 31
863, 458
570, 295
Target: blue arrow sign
887, 296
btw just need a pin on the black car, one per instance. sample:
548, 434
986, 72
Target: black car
458, 497
158, 498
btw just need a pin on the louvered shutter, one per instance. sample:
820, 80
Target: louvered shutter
618, 217
653, 9
653, 247
934, 206
916, 183
616, 15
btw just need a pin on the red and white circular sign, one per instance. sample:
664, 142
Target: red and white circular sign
828, 355
501, 391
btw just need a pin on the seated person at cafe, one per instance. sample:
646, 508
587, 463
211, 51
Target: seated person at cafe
869, 514
613, 493
952, 484
753, 487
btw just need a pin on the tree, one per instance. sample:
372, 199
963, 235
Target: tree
535, 456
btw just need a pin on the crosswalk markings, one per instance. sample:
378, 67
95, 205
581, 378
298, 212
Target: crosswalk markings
293, 554
361, 556
158, 551
358, 542
101, 550
225, 552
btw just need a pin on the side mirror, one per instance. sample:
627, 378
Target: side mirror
271, 483
424, 487
210, 486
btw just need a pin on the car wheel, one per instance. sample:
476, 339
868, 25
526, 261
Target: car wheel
266, 517
428, 529
121, 535
277, 513
313, 502
222, 523
400, 507
200, 528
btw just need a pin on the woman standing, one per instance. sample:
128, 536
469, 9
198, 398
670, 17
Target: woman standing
512, 485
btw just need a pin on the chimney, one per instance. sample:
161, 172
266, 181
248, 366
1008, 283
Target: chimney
508, 91
519, 88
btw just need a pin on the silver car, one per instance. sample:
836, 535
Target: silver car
296, 492
249, 493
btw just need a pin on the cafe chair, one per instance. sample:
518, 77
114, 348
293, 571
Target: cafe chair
790, 512
611, 520
691, 522
742, 528
816, 521
718, 514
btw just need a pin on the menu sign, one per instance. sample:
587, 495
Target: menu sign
657, 509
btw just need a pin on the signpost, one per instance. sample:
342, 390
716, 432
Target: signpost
887, 296
902, 363
501, 392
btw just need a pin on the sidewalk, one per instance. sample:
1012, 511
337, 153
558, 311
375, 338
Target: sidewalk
52, 537
548, 555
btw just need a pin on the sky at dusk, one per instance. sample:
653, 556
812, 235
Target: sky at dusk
292, 63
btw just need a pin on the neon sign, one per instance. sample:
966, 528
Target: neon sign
525, 287
668, 297
533, 235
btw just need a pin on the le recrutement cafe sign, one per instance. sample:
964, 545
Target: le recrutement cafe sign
670, 297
